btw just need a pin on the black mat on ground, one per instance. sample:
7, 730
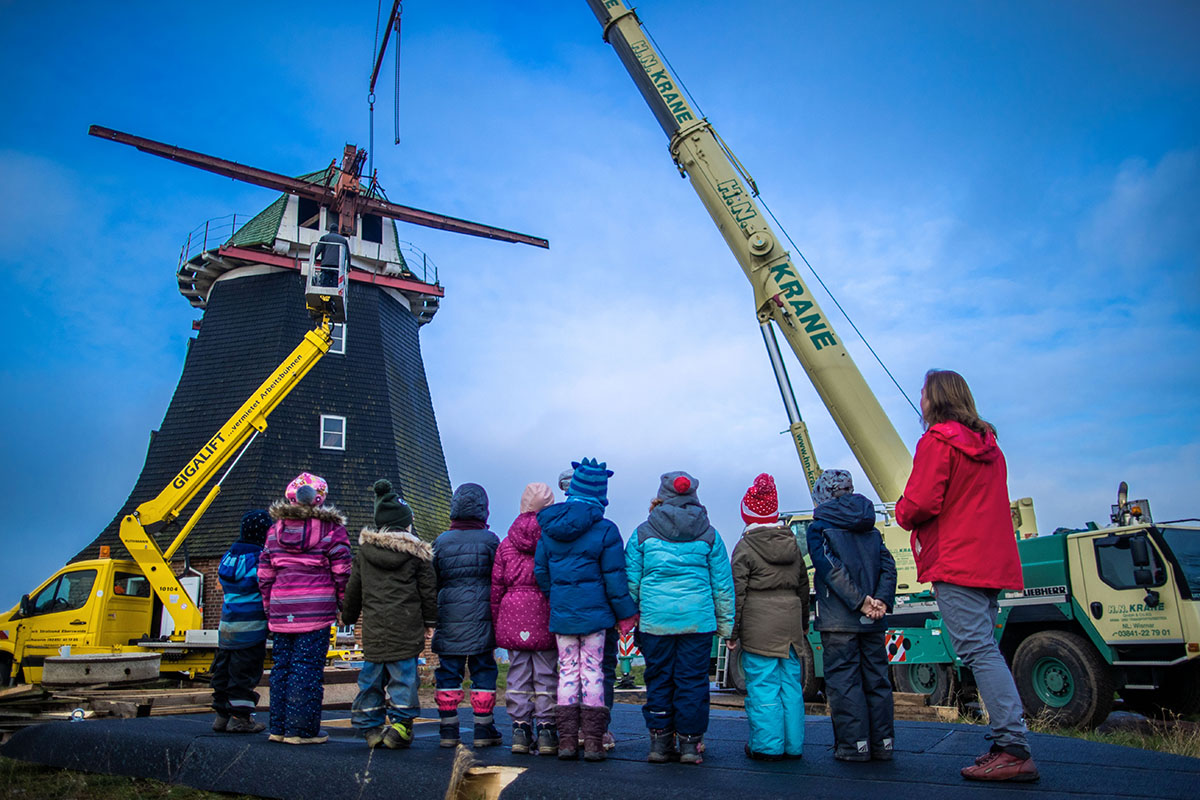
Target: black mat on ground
184, 750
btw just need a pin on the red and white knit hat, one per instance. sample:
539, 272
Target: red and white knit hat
760, 504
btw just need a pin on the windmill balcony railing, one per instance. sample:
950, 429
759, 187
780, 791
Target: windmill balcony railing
219, 230
213, 232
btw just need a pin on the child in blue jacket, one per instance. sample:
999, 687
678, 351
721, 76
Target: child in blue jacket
679, 575
855, 579
242, 643
578, 565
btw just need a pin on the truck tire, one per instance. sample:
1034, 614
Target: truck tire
812, 684
735, 678
934, 680
1063, 680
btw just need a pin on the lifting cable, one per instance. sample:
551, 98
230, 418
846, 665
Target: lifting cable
396, 106
754, 188
377, 52
796, 250
371, 95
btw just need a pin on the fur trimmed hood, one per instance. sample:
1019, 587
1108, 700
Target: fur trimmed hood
396, 541
282, 509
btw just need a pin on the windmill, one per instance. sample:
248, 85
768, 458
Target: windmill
365, 411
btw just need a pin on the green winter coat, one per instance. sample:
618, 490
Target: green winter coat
771, 585
394, 588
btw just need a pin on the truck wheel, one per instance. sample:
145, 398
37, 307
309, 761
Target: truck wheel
1062, 679
812, 684
735, 678
934, 680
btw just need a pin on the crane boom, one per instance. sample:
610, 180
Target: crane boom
780, 295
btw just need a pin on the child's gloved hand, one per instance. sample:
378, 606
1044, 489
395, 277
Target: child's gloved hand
624, 626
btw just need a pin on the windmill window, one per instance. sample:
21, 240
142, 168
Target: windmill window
309, 213
333, 432
338, 336
372, 228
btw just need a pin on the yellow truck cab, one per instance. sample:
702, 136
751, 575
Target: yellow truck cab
100, 606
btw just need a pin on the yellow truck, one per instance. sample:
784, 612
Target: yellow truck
107, 606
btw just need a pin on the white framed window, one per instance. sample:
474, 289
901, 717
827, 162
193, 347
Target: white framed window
337, 333
333, 432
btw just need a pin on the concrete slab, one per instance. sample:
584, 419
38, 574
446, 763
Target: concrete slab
184, 750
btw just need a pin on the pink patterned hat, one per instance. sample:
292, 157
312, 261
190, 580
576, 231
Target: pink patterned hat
307, 489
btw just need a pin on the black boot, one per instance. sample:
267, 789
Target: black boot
486, 733
691, 749
522, 737
568, 732
662, 747
449, 728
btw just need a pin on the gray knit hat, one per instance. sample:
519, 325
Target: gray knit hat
830, 484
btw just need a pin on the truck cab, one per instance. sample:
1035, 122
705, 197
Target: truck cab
101, 605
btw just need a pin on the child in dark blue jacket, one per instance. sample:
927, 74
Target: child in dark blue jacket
242, 643
855, 579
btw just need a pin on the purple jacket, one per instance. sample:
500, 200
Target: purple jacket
520, 610
304, 566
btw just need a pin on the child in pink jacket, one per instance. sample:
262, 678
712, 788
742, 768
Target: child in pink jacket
302, 574
522, 617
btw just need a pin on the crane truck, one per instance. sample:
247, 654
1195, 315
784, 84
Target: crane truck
1103, 609
108, 606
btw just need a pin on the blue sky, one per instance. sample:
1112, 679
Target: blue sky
1009, 190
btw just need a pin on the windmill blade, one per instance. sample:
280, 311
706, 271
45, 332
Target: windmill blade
284, 183
221, 166
429, 219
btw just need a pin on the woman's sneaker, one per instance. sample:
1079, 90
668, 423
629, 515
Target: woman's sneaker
998, 765
321, 738
522, 739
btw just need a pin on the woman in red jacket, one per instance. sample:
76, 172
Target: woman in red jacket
956, 505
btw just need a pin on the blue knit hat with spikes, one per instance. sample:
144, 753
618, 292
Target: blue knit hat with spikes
590, 481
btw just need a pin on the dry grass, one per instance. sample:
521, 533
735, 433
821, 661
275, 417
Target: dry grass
19, 779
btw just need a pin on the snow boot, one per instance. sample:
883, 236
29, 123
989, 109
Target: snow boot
547, 739
594, 722
691, 748
662, 747
398, 735
568, 732
522, 739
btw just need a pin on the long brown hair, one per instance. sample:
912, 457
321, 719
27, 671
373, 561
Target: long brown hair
947, 397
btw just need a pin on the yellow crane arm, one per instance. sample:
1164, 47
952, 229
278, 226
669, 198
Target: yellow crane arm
249, 420
780, 295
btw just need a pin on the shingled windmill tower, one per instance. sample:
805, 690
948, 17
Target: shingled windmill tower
364, 412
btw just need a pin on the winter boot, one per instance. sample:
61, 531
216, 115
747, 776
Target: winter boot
594, 722
662, 747
449, 728
882, 751
244, 725
374, 737
568, 732
220, 723
691, 748
398, 735
486, 733
852, 752
547, 739
522, 737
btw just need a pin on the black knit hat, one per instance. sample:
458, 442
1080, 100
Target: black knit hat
255, 525
390, 510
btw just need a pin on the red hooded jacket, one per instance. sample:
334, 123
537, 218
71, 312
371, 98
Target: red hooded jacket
956, 505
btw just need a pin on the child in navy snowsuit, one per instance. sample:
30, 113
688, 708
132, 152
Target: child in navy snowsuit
465, 639
855, 579
242, 643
